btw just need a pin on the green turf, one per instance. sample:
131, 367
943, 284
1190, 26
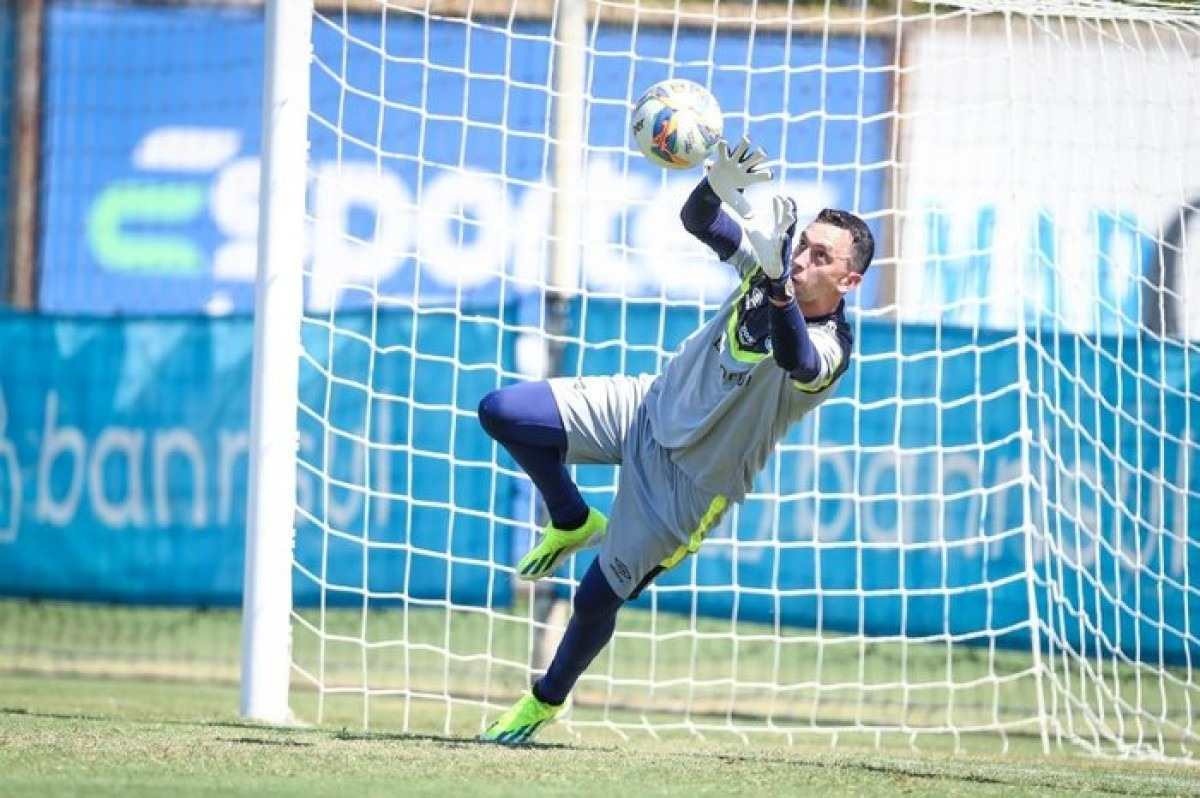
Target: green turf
716, 671
97, 737
406, 690
723, 674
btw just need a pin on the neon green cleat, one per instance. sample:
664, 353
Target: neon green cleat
521, 722
557, 546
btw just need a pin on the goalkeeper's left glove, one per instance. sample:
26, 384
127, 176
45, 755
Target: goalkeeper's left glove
774, 248
735, 170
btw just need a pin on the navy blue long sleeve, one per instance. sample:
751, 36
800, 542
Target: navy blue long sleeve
702, 217
791, 346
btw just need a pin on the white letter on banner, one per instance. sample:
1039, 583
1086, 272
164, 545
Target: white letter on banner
1137, 539
233, 203
131, 510
55, 442
1181, 534
232, 446
182, 442
381, 478
803, 518
873, 492
965, 526
338, 258
1076, 494
531, 242
673, 261
999, 502
835, 529
306, 487
12, 468
477, 202
10, 527
342, 514
608, 264
909, 472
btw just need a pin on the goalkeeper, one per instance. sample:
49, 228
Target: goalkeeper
689, 440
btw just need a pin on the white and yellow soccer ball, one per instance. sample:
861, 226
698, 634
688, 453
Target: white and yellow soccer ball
676, 123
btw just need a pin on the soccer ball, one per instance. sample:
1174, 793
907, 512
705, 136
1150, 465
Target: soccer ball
676, 123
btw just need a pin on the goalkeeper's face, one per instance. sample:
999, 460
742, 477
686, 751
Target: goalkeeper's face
821, 265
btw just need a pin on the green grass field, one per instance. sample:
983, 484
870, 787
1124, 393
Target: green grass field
98, 737
115, 701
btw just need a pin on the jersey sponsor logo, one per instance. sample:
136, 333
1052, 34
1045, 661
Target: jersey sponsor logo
745, 337
753, 328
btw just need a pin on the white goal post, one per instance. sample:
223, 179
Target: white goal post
987, 537
267, 596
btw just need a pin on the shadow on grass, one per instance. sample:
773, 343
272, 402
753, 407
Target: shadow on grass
453, 742
265, 741
339, 735
909, 770
52, 715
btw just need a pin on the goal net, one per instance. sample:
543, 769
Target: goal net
984, 538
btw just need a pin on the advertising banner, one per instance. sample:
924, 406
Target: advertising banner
123, 457
449, 135
1050, 179
123, 467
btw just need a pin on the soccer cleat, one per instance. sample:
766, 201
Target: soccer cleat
557, 545
521, 722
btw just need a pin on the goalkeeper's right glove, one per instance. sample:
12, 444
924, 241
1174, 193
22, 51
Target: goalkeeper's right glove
733, 171
774, 248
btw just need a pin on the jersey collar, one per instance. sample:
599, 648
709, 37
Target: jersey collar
837, 313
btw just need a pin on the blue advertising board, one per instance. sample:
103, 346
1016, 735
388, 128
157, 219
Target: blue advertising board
428, 125
123, 456
135, 147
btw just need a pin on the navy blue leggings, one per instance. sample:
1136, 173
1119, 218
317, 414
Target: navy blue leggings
591, 627
524, 419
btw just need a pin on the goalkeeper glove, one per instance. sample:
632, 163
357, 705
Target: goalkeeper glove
733, 171
774, 248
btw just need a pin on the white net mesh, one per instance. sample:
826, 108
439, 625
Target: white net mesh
983, 535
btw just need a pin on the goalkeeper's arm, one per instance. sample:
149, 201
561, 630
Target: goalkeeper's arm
811, 359
728, 176
702, 217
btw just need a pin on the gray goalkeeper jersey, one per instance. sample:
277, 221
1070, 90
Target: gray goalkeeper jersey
722, 403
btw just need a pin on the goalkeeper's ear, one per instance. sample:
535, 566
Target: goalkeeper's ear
848, 282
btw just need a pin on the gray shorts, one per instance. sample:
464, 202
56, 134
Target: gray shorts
658, 515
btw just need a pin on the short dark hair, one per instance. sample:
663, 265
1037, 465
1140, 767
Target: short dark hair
864, 243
